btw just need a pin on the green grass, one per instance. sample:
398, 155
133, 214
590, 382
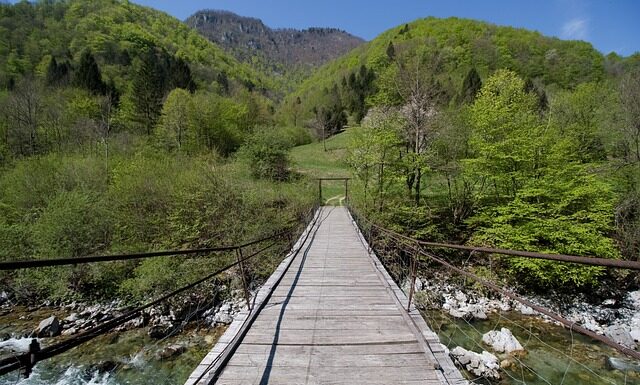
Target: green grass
312, 161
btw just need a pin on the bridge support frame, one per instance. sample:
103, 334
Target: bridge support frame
247, 296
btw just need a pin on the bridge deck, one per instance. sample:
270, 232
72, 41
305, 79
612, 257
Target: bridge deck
335, 317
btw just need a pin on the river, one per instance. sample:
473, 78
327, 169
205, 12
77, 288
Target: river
547, 361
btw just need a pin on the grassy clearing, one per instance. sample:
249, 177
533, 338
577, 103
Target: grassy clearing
312, 161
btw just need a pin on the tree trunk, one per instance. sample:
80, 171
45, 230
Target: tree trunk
418, 185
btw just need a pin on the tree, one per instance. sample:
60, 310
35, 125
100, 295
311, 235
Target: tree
545, 199
173, 126
541, 95
57, 73
267, 155
417, 88
223, 82
372, 149
628, 144
88, 74
180, 75
391, 51
471, 85
148, 87
23, 110
505, 135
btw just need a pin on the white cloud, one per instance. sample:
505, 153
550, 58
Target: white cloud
575, 29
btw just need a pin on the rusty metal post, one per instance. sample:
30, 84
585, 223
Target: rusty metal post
244, 278
320, 191
31, 359
346, 191
413, 274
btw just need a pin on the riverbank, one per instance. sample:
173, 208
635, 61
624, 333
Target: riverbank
162, 346
462, 314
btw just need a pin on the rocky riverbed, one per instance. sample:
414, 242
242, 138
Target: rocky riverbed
500, 340
160, 347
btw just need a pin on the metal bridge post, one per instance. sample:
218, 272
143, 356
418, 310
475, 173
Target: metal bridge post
244, 278
320, 191
346, 191
413, 274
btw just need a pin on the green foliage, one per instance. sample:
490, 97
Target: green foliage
567, 211
88, 74
267, 155
173, 131
471, 85
506, 134
461, 44
72, 224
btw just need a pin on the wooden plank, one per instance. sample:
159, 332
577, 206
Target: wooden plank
335, 317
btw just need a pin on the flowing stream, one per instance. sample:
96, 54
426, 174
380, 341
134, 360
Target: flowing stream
553, 355
130, 357
135, 355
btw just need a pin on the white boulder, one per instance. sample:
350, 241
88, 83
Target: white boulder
502, 341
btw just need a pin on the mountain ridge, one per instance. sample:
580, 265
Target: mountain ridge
279, 50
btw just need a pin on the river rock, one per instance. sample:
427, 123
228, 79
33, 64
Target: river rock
69, 331
170, 351
105, 366
622, 364
49, 327
621, 335
485, 364
468, 312
159, 331
502, 341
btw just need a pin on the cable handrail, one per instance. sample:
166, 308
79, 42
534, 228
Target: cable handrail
29, 359
583, 260
32, 263
415, 246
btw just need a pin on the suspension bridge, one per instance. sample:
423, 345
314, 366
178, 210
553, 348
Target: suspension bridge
331, 312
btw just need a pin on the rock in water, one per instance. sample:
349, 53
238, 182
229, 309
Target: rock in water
502, 341
159, 331
621, 364
485, 364
621, 335
170, 351
49, 327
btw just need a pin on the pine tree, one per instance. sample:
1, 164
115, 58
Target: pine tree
180, 75
541, 96
148, 89
223, 81
88, 74
470, 87
391, 51
57, 73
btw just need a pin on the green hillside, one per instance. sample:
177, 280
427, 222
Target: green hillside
115, 31
459, 45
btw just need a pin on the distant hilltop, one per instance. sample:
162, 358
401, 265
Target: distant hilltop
247, 37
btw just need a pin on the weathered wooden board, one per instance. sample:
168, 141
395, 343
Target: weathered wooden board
335, 317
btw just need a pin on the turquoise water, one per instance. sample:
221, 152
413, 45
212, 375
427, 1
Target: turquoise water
553, 355
133, 352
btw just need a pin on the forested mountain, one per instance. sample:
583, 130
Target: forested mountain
490, 135
123, 129
457, 45
287, 52
116, 32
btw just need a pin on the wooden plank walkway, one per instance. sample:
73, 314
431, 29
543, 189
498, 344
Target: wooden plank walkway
331, 315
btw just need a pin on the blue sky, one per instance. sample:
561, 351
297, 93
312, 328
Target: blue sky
610, 25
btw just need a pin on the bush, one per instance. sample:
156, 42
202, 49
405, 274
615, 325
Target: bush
268, 156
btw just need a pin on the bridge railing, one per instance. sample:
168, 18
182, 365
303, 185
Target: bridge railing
412, 254
26, 361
